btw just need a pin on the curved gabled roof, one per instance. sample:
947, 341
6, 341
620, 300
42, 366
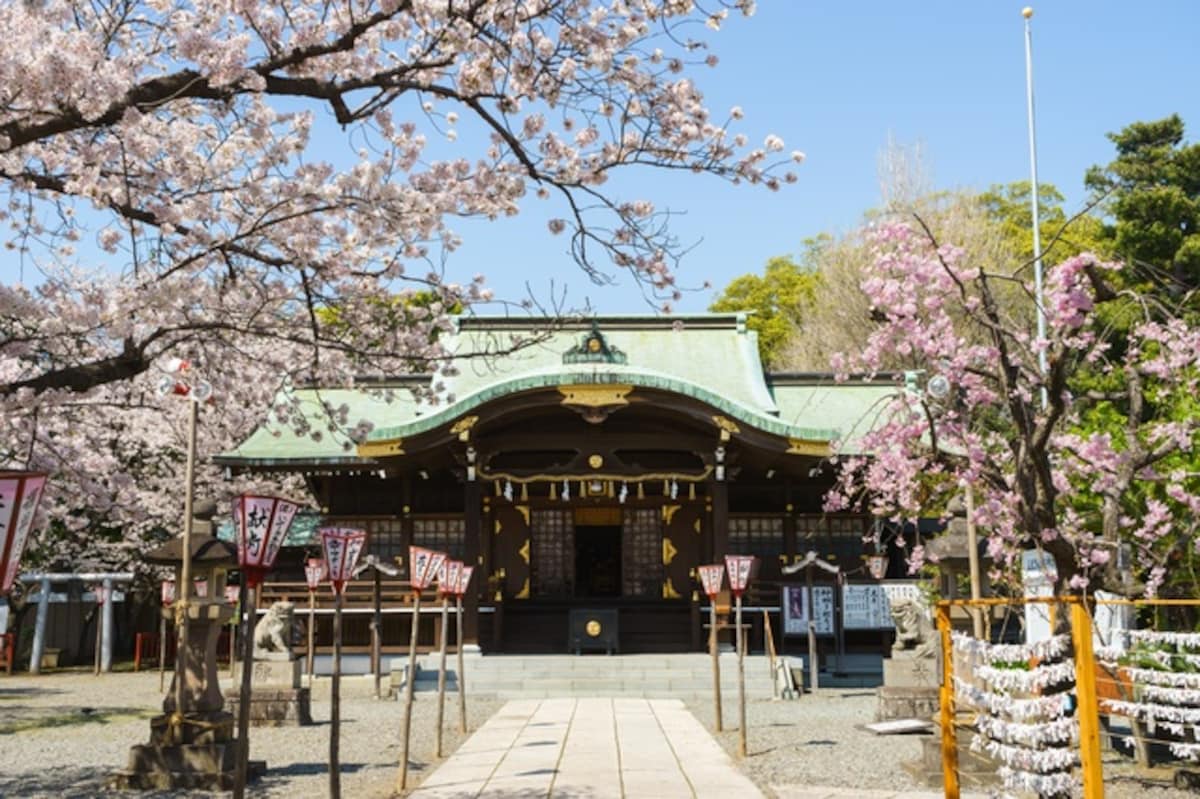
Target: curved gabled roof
711, 358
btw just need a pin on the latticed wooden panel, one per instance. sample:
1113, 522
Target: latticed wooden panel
641, 552
445, 534
757, 535
552, 559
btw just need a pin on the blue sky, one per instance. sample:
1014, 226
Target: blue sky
836, 79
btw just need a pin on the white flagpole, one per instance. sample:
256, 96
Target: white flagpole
1027, 13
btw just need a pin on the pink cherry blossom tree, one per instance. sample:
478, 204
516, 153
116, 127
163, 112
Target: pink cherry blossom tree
1098, 463
268, 189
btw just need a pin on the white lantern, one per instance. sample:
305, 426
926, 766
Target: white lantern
342, 546
711, 577
262, 524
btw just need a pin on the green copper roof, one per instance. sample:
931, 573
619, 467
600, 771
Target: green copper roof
712, 358
852, 408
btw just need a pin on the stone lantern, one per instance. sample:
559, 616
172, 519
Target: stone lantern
195, 747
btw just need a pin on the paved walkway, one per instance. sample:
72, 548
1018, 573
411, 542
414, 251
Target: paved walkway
595, 748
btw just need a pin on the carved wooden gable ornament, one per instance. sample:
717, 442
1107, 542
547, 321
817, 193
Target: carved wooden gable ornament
594, 348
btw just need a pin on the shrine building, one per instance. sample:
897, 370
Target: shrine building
594, 466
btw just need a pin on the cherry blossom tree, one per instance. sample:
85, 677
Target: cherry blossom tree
1079, 459
268, 189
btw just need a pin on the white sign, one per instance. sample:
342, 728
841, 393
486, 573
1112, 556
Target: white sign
710, 578
795, 609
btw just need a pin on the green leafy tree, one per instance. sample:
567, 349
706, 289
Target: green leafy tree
775, 297
1153, 188
1007, 205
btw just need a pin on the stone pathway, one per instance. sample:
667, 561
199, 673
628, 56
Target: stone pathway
595, 748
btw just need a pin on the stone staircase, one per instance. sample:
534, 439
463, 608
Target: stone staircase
665, 676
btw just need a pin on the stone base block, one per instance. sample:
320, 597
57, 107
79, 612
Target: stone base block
130, 780
271, 674
974, 768
906, 703
910, 672
275, 708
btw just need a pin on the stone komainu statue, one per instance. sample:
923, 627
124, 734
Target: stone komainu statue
273, 633
914, 633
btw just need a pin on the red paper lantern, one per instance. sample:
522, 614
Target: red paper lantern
423, 565
315, 573
711, 577
231, 594
342, 546
167, 592
464, 580
262, 524
739, 568
448, 576
101, 593
20, 493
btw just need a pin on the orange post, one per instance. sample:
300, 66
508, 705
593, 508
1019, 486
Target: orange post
946, 703
1088, 709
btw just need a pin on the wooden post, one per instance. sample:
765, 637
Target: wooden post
162, 650
741, 655
410, 678
716, 661
1088, 711
99, 636
335, 701
377, 634
233, 638
813, 679
460, 677
769, 641
246, 600
946, 703
183, 591
437, 748
977, 612
312, 620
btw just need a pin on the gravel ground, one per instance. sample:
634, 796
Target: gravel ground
818, 740
62, 735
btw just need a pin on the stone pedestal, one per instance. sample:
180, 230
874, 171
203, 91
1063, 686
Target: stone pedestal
910, 689
198, 751
276, 698
283, 707
974, 768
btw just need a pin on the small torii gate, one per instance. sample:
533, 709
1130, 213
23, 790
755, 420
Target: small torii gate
106, 579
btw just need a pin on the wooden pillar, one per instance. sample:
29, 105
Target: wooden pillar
789, 522
472, 513
720, 519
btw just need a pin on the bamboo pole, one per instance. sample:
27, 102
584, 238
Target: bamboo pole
247, 601
813, 678
402, 783
716, 661
335, 701
946, 705
312, 620
437, 748
377, 633
977, 612
741, 654
460, 676
184, 586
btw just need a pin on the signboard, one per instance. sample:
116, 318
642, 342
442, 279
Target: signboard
449, 574
864, 607
423, 565
464, 580
739, 567
711, 577
795, 609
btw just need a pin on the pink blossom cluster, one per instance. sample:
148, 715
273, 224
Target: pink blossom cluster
1039, 479
268, 190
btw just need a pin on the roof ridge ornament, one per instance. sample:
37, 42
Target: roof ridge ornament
594, 348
